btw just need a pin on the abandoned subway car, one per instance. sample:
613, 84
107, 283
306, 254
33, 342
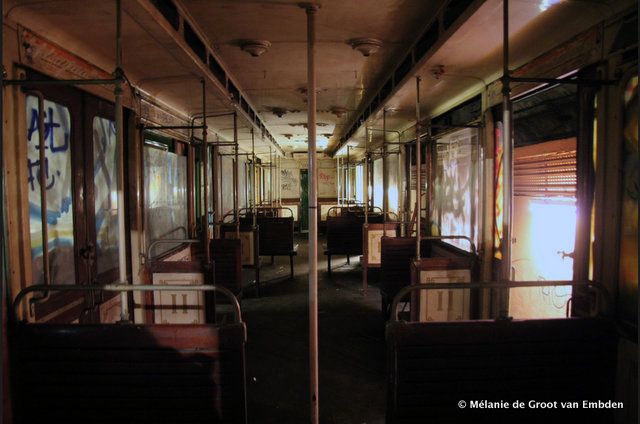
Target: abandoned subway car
384, 211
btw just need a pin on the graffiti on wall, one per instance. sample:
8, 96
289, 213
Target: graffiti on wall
58, 184
290, 183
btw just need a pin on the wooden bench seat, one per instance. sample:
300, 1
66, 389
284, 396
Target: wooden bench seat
110, 373
434, 365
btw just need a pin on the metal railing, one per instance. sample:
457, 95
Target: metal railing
259, 210
601, 291
154, 243
122, 288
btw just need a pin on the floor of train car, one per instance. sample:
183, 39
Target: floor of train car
351, 343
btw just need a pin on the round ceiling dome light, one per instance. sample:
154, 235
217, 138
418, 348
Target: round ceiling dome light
366, 46
255, 47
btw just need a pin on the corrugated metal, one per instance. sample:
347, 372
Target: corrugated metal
546, 175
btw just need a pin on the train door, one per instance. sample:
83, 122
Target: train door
101, 202
81, 209
544, 200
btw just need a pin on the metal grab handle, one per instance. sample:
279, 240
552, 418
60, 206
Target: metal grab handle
168, 241
452, 237
600, 289
128, 288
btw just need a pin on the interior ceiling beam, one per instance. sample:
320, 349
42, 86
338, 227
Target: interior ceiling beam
442, 26
174, 20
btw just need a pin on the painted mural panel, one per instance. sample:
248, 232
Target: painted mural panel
59, 210
105, 178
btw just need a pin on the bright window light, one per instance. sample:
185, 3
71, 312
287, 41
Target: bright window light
552, 235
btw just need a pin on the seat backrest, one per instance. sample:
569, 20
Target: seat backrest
344, 234
396, 256
434, 365
128, 373
276, 235
227, 256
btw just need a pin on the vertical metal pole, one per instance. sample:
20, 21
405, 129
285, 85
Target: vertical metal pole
507, 166
216, 178
348, 176
338, 177
407, 190
366, 176
205, 179
385, 177
46, 268
270, 177
398, 180
278, 185
428, 165
253, 179
122, 251
235, 174
418, 170
313, 216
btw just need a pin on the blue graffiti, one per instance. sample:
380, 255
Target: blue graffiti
49, 127
32, 177
52, 216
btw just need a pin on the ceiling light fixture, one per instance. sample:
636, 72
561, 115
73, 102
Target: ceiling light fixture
338, 111
255, 47
366, 46
278, 111
437, 71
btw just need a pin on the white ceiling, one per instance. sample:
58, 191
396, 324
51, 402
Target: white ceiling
158, 66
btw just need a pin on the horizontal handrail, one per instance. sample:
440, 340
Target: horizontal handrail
370, 210
183, 228
244, 211
168, 241
602, 291
452, 237
128, 288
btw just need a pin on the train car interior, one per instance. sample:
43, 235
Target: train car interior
354, 211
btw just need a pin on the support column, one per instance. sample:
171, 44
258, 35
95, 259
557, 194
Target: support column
235, 174
366, 177
311, 10
205, 179
119, 115
507, 165
418, 170
385, 177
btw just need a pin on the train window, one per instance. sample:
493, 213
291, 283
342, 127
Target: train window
165, 196
106, 195
59, 210
455, 188
377, 183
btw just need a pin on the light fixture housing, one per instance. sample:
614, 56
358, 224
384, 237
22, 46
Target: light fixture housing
366, 46
339, 111
255, 47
